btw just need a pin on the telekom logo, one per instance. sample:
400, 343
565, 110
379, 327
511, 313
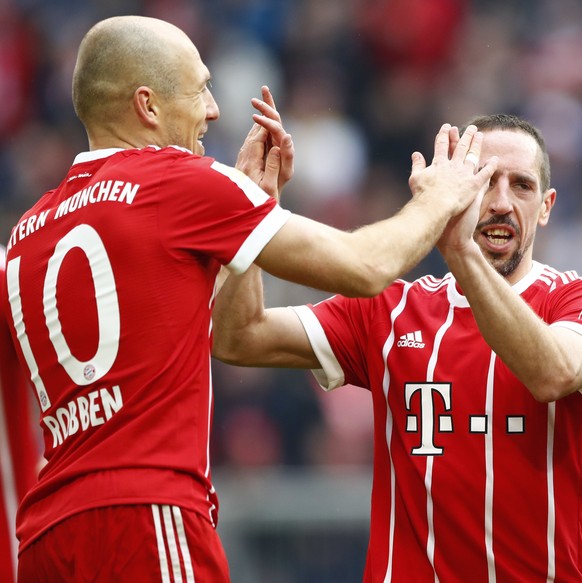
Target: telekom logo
429, 392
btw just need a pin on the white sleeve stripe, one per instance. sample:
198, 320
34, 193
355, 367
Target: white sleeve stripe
253, 192
330, 375
568, 325
257, 240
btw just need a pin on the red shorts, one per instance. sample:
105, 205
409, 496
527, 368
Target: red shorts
155, 543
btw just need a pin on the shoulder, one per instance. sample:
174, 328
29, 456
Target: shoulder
551, 279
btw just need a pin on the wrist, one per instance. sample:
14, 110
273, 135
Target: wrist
463, 257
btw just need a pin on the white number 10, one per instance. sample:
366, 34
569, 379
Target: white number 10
81, 373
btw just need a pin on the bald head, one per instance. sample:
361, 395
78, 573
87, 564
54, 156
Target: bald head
120, 54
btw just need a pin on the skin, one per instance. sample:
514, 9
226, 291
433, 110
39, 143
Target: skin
173, 108
513, 206
488, 248
139, 81
548, 360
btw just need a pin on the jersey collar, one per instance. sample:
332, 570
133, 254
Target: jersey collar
95, 155
106, 152
458, 300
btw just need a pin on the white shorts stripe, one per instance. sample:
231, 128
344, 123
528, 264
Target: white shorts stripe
183, 542
171, 538
161, 546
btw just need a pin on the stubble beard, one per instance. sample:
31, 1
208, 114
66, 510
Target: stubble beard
507, 266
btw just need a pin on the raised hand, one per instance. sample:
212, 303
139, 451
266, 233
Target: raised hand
267, 154
453, 174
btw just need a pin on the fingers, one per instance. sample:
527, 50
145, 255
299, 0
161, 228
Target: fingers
274, 128
268, 97
287, 155
468, 148
488, 169
465, 149
271, 177
251, 155
441, 143
418, 163
453, 139
265, 108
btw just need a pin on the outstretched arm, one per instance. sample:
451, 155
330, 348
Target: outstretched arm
365, 261
359, 263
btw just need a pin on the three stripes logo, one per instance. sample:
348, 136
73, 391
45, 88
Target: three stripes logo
411, 340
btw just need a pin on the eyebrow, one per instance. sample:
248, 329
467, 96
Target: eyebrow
524, 176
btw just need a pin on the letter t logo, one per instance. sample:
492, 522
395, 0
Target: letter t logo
427, 414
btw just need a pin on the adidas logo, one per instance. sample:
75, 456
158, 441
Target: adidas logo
411, 340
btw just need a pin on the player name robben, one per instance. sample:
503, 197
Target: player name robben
83, 412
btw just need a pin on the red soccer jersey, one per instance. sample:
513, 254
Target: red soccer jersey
111, 281
474, 480
18, 447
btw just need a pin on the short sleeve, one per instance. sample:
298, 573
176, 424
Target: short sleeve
337, 330
214, 210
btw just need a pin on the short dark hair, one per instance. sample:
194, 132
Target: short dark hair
505, 121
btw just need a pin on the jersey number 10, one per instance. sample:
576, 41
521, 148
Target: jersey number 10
81, 373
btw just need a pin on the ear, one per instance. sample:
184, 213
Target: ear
146, 106
547, 203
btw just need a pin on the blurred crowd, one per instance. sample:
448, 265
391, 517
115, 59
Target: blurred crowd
361, 84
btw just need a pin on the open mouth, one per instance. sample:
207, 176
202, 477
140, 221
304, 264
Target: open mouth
498, 235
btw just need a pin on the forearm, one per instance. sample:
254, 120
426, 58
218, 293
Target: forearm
398, 244
361, 263
246, 334
237, 310
542, 358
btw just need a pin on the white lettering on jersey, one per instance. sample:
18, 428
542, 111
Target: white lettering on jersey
411, 340
84, 412
26, 227
108, 190
87, 239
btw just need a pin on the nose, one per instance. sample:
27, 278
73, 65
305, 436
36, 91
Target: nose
212, 111
498, 198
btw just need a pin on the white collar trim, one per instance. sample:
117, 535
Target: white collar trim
106, 152
458, 300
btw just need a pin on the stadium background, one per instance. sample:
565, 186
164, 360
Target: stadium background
360, 84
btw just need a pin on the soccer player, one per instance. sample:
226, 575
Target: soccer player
19, 456
475, 380
111, 278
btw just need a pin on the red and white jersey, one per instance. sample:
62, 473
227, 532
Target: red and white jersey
111, 280
474, 480
19, 455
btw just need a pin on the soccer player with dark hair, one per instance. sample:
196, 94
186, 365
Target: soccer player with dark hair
475, 380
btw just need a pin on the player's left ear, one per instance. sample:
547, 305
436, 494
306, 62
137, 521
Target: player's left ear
549, 198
